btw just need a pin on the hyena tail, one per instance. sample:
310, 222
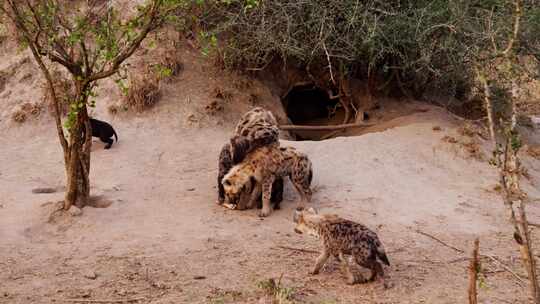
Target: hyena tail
381, 254
115, 136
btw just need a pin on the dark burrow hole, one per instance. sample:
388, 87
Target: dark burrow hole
312, 106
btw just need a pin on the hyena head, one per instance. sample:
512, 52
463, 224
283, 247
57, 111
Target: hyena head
234, 183
306, 221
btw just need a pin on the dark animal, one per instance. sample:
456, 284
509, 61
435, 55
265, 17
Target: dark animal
104, 131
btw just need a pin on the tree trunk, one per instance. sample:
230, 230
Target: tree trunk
78, 160
473, 274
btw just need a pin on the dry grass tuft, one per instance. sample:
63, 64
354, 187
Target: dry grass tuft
534, 151
222, 94
26, 110
214, 107
18, 116
449, 139
143, 93
278, 293
169, 65
467, 143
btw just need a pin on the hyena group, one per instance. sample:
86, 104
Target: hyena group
252, 168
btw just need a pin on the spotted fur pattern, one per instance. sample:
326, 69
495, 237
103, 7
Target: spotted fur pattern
261, 168
340, 238
256, 128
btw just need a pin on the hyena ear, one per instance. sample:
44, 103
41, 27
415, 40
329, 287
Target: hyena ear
312, 210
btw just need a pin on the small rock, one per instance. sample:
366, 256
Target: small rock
191, 189
199, 277
90, 274
75, 211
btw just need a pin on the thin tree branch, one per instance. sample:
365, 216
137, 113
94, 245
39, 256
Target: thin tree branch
324, 128
130, 49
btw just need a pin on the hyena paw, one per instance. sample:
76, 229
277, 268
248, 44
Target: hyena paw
265, 212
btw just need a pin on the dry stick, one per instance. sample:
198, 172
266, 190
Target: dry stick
297, 249
322, 128
487, 103
483, 255
102, 301
520, 280
473, 274
439, 241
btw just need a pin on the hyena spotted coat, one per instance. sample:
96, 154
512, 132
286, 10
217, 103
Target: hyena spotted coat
262, 167
340, 237
256, 128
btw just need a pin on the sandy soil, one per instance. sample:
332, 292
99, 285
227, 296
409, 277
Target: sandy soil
164, 240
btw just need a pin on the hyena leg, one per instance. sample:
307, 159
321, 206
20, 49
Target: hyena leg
224, 165
108, 141
346, 270
305, 194
255, 194
377, 271
320, 261
244, 200
266, 193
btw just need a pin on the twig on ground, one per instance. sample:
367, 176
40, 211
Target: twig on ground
102, 300
297, 249
493, 258
520, 280
439, 241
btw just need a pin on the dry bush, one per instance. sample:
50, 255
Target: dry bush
18, 116
169, 65
143, 92
214, 107
113, 109
26, 110
222, 94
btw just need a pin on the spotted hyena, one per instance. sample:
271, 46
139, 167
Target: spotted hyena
261, 167
256, 128
340, 237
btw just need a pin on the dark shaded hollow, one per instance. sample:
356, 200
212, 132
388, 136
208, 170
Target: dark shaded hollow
310, 105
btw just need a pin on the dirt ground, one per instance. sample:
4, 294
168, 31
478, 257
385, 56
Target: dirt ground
164, 240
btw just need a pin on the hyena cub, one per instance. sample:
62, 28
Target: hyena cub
256, 128
341, 237
262, 167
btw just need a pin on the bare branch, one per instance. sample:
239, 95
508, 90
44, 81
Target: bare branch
515, 32
323, 128
130, 49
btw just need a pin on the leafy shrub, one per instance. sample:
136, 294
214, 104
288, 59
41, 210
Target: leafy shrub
419, 44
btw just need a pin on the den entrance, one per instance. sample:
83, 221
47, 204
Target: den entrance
310, 105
